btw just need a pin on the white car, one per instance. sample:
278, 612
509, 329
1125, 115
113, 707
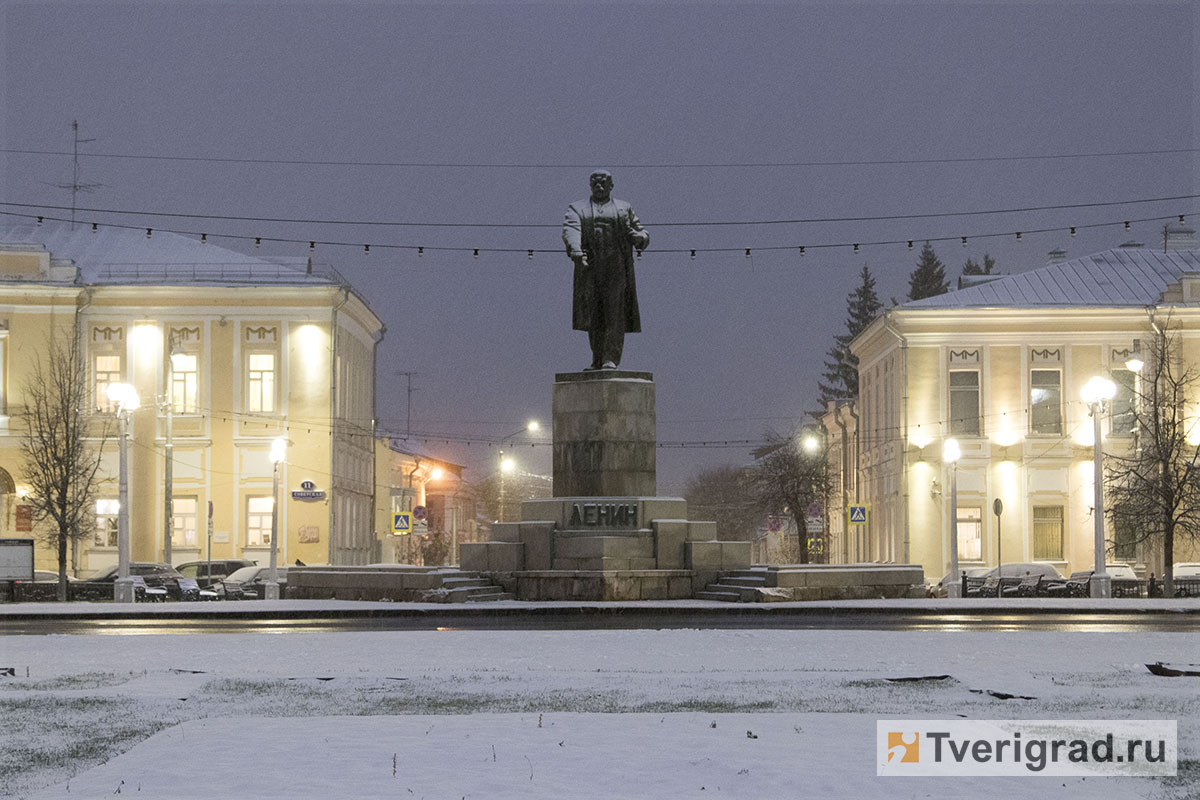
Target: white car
1120, 572
1188, 569
939, 589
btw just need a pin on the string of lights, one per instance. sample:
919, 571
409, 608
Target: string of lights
524, 225
642, 165
800, 249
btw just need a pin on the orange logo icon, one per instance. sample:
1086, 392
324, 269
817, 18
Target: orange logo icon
903, 747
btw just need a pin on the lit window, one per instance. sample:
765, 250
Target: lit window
185, 383
1048, 533
106, 522
183, 521
258, 521
1123, 405
108, 372
1045, 399
260, 383
964, 402
970, 533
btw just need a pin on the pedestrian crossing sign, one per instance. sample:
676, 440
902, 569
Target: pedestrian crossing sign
402, 522
857, 515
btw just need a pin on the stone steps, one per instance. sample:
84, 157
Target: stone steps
718, 593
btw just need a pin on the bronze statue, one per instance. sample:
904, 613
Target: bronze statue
599, 233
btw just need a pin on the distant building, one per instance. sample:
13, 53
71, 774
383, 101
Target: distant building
413, 482
245, 349
998, 365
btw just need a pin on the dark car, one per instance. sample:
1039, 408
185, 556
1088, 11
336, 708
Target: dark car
155, 575
248, 582
206, 573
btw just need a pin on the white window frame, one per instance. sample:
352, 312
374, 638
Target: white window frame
183, 534
107, 512
260, 398
185, 384
258, 520
969, 516
100, 387
1034, 404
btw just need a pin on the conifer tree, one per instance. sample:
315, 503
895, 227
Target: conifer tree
929, 278
971, 268
841, 370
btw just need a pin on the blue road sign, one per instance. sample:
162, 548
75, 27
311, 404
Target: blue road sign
857, 515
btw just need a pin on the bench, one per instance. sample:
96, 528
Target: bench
989, 588
1027, 587
1075, 586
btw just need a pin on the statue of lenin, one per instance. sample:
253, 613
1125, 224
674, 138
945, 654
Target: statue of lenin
599, 234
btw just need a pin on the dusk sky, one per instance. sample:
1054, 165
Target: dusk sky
451, 117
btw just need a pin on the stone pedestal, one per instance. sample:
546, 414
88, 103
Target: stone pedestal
604, 434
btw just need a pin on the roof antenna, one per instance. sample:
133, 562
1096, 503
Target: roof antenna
75, 186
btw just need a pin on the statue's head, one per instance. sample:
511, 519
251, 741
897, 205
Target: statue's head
602, 183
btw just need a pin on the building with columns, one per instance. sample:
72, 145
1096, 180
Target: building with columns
998, 365
241, 349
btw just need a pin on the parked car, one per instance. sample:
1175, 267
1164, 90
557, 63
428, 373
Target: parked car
206, 573
993, 582
247, 583
155, 574
1187, 569
50, 575
939, 589
1120, 572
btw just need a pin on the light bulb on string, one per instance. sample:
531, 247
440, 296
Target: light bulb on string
964, 241
149, 231
204, 238
801, 249
530, 255
1126, 224
420, 252
476, 253
1018, 236
693, 255
366, 249
747, 252
856, 247
910, 244
39, 222
95, 227
1072, 230
312, 246
257, 242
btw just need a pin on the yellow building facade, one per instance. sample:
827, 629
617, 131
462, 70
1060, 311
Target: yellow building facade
240, 350
999, 367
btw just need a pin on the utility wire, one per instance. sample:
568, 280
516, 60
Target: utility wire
717, 223
799, 248
650, 165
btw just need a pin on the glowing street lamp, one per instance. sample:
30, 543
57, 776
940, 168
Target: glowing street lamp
126, 399
1096, 392
278, 454
507, 465
951, 452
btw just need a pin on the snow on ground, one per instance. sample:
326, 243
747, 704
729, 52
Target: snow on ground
541, 714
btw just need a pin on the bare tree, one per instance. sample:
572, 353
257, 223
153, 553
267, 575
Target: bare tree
61, 462
723, 495
1154, 489
792, 472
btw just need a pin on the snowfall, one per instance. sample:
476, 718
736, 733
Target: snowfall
504, 714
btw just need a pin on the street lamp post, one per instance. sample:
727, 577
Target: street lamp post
508, 465
1096, 392
126, 399
951, 452
278, 452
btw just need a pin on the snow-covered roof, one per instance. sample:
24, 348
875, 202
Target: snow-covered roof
1112, 278
121, 256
